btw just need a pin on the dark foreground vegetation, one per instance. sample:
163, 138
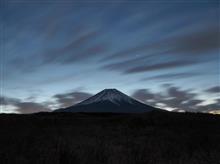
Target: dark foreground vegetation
82, 138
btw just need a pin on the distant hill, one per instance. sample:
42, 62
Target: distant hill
109, 100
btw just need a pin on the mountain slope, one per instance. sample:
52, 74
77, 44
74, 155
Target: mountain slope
109, 100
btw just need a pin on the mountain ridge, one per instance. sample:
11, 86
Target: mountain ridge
109, 100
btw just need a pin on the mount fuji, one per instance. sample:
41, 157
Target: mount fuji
109, 100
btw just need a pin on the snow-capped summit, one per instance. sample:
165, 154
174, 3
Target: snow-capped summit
112, 95
109, 100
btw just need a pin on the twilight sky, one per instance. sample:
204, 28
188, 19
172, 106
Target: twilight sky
56, 53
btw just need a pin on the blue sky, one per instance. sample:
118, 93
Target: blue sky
51, 48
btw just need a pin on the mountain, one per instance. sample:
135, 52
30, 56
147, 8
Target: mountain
109, 100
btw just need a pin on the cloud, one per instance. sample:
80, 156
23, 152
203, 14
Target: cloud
159, 66
143, 95
76, 35
214, 107
147, 63
26, 64
126, 52
68, 99
181, 99
192, 44
24, 107
174, 92
198, 42
31, 107
215, 89
176, 99
172, 76
8, 101
79, 48
125, 64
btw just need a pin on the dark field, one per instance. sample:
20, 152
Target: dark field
82, 138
